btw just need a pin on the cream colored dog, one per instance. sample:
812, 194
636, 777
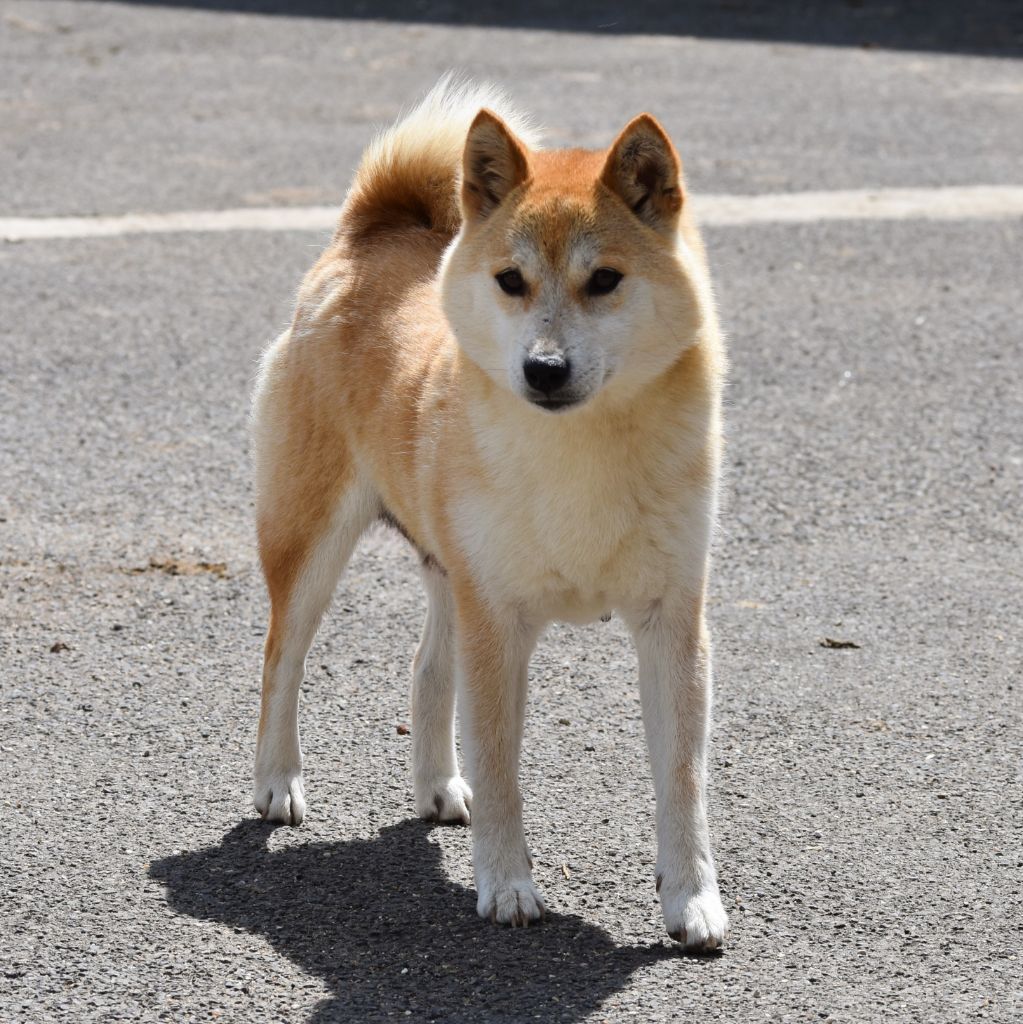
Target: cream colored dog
512, 355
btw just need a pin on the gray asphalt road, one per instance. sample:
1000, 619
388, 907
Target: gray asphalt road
866, 801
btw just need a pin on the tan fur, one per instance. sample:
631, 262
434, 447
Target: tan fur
534, 516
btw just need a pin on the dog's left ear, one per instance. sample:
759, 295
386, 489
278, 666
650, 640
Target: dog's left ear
644, 171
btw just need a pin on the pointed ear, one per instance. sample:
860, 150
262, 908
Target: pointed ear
643, 170
494, 162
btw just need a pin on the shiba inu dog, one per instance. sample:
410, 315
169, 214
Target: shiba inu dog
512, 355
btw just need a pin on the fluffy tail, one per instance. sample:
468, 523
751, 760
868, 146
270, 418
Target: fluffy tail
409, 175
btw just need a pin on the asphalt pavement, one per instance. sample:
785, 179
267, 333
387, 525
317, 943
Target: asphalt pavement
867, 753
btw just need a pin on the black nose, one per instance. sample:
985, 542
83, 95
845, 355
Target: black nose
546, 373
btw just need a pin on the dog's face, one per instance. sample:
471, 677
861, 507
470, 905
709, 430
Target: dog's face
569, 276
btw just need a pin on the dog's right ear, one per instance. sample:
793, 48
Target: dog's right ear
493, 164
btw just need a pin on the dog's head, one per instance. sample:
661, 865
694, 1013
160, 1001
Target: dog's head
570, 275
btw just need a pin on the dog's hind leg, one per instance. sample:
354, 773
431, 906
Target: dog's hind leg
303, 550
440, 792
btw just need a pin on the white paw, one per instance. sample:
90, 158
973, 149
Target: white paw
697, 920
445, 800
278, 796
515, 901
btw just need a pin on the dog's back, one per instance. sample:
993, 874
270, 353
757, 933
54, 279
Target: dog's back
368, 322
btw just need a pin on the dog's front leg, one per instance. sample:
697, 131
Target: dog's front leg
675, 687
494, 649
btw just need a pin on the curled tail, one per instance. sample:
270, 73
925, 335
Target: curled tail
408, 177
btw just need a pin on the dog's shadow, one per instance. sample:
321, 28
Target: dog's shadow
379, 922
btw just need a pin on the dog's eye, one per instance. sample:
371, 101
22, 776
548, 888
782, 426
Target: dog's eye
511, 282
603, 281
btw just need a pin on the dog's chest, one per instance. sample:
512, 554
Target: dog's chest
574, 532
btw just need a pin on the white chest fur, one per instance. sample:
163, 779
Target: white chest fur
575, 517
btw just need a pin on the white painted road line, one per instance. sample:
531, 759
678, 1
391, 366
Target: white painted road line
256, 218
966, 202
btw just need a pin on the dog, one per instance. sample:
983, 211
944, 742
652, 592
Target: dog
512, 354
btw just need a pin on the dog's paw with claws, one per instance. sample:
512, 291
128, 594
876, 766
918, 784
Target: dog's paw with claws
447, 801
516, 902
279, 796
697, 920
